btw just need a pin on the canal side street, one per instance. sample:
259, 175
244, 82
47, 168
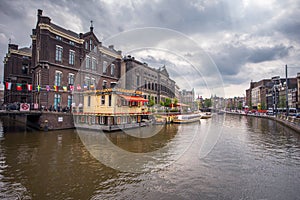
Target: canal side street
290, 121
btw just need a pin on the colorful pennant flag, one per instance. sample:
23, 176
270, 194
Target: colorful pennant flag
29, 87
92, 87
38, 88
8, 85
71, 87
47, 88
85, 87
19, 86
65, 88
78, 87
55, 88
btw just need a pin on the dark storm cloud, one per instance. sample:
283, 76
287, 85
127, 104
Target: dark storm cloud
272, 27
230, 59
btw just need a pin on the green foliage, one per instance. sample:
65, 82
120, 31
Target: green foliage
240, 106
263, 106
175, 101
151, 101
282, 103
167, 102
207, 103
162, 103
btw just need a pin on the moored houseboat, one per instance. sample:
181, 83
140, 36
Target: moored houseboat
112, 109
187, 118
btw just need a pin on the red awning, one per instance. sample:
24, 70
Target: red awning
134, 98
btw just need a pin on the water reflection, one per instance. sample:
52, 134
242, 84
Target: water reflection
253, 159
133, 154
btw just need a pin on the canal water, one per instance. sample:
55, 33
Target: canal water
226, 157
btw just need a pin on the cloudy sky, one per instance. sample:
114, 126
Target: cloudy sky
239, 40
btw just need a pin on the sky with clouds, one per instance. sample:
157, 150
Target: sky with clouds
205, 44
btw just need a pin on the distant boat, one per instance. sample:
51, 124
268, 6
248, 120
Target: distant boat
206, 116
188, 118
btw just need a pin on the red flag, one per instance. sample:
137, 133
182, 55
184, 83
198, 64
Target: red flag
8, 85
19, 86
29, 87
55, 88
78, 87
71, 87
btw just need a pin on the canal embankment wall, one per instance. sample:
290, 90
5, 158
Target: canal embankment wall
56, 121
291, 122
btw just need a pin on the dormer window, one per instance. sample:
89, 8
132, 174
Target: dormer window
58, 37
71, 43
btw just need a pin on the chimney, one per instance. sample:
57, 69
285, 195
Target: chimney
40, 13
111, 46
91, 28
13, 46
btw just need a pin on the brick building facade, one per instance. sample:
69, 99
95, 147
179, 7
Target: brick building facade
17, 74
63, 60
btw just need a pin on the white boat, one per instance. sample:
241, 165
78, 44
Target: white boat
206, 116
188, 118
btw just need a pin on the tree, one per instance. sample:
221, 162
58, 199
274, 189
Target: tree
162, 103
281, 101
151, 101
263, 105
175, 101
207, 103
167, 102
240, 105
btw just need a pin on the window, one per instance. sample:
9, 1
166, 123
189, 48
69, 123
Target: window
104, 84
94, 62
58, 76
87, 62
89, 101
109, 100
86, 45
87, 81
103, 100
57, 99
70, 100
91, 45
58, 37
24, 69
71, 78
72, 43
93, 83
137, 81
71, 57
104, 66
58, 53
112, 69
38, 77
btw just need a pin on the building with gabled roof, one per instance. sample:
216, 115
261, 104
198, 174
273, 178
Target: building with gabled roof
64, 62
17, 75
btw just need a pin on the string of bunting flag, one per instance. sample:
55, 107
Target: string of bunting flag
48, 88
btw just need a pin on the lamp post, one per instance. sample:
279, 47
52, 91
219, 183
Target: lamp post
286, 92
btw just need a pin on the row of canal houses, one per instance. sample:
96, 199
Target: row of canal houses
274, 93
64, 69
